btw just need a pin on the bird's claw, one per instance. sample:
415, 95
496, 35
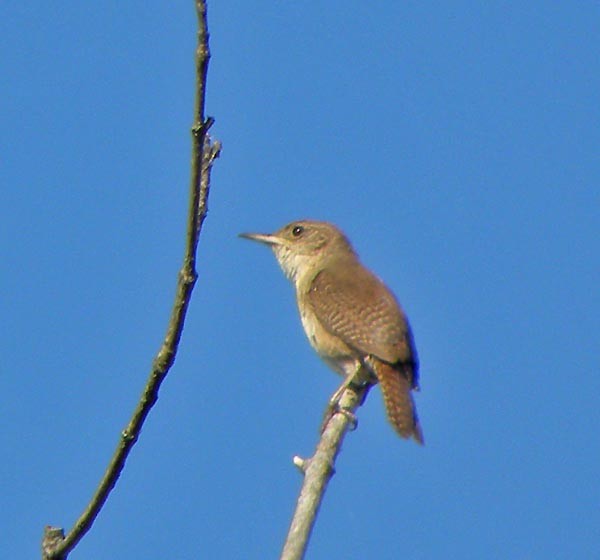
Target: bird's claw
350, 416
334, 408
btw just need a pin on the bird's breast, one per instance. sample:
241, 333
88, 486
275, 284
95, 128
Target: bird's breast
337, 354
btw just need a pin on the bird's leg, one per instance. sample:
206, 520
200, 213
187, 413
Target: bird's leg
333, 406
335, 398
355, 380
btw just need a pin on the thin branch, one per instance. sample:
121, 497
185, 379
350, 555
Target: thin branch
54, 546
318, 471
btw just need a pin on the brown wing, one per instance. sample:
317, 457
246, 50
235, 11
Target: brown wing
355, 305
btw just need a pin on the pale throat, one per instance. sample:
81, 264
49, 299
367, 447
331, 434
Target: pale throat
297, 267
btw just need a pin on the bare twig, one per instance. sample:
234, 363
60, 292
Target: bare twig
55, 545
317, 471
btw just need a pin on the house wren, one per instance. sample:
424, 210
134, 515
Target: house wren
350, 317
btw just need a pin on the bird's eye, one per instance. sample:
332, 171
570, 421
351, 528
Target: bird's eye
297, 231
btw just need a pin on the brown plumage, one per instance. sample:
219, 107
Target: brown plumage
357, 309
349, 315
395, 386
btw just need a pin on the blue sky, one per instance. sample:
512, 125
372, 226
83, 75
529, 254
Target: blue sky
455, 143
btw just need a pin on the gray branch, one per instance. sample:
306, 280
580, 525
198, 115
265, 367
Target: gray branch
318, 471
55, 545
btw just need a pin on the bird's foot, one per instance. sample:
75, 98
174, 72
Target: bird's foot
334, 408
351, 417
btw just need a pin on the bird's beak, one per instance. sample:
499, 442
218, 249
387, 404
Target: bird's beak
266, 238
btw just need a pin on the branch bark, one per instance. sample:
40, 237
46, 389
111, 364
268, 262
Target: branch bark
318, 471
55, 545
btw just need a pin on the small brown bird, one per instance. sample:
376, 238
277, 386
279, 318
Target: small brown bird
350, 317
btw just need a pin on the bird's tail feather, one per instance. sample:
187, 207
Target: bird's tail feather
396, 383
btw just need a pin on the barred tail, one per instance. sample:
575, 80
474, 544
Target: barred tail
396, 383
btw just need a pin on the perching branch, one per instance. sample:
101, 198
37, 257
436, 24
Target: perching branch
317, 471
55, 545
